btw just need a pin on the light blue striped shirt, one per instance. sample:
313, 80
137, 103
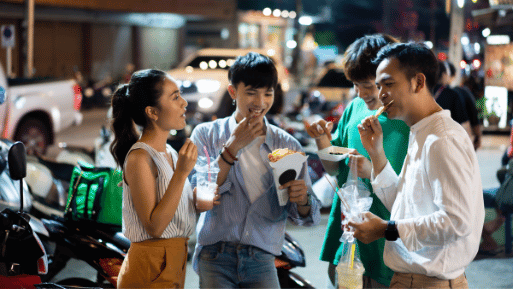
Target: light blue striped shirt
236, 219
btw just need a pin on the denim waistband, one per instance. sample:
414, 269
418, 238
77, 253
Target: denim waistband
234, 246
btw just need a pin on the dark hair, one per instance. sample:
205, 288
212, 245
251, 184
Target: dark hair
451, 67
357, 61
128, 104
414, 58
442, 69
255, 70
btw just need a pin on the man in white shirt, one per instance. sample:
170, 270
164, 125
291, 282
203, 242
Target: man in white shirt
436, 202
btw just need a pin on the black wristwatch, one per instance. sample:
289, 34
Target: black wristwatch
391, 233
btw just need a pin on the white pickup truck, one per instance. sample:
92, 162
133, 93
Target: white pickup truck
35, 110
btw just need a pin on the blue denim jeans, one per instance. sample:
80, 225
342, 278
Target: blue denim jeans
230, 265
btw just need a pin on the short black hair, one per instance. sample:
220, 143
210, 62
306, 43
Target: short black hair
357, 61
255, 70
414, 58
442, 69
452, 69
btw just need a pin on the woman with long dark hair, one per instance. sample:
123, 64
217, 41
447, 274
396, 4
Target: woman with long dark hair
159, 213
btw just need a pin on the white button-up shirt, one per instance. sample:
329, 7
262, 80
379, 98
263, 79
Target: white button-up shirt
436, 201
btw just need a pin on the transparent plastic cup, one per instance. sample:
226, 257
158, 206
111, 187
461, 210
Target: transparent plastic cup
350, 278
206, 184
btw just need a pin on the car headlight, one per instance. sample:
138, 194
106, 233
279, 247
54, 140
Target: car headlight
208, 85
205, 103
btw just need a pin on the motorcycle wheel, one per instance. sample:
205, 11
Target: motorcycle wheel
290, 279
77, 282
35, 134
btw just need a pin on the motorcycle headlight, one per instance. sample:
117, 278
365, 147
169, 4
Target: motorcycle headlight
208, 85
205, 103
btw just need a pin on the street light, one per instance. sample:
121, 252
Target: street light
305, 20
276, 13
486, 32
267, 11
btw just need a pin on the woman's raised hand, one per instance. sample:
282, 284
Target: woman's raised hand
187, 157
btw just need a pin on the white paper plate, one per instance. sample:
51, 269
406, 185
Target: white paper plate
333, 153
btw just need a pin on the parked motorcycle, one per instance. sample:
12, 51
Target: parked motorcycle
23, 256
103, 247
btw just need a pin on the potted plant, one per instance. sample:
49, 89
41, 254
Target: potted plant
494, 114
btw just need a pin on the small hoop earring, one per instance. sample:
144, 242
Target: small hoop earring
233, 102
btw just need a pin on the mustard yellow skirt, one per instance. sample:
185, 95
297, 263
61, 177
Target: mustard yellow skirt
156, 263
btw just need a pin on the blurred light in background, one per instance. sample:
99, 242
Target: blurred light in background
305, 20
225, 33
203, 65
212, 64
222, 63
285, 14
230, 62
276, 13
461, 3
463, 64
205, 102
267, 11
486, 32
189, 69
477, 47
291, 44
271, 52
186, 84
497, 39
442, 56
429, 44
292, 14
465, 40
207, 85
476, 64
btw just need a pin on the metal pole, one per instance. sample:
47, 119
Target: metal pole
296, 53
29, 20
457, 24
9, 62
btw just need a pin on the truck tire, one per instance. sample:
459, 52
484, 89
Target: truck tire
35, 134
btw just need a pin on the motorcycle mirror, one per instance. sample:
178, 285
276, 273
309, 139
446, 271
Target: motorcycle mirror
17, 159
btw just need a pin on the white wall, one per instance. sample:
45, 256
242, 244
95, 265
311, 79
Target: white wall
111, 50
159, 48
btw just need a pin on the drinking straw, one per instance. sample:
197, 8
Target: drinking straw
337, 190
208, 161
352, 254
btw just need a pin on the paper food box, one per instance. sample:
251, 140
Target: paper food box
287, 166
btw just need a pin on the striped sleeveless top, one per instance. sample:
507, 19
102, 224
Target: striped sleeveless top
184, 220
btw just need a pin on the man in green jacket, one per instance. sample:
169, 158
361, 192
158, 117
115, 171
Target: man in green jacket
360, 70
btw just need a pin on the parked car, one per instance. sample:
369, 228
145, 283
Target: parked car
36, 109
203, 79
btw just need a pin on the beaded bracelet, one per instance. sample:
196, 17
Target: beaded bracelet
221, 154
229, 153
